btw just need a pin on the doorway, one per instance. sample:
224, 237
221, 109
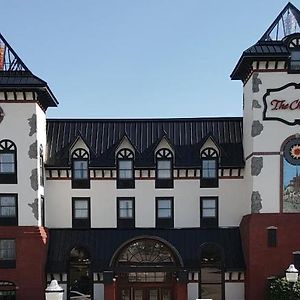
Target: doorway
145, 293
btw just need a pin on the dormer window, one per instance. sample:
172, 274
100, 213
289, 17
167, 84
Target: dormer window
125, 172
209, 168
295, 60
164, 169
80, 169
8, 162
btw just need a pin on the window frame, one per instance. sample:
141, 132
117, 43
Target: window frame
209, 154
125, 154
9, 147
81, 222
209, 222
42, 167
294, 50
10, 220
8, 263
78, 155
164, 222
125, 222
164, 155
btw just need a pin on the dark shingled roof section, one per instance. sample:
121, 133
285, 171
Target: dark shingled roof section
103, 243
185, 135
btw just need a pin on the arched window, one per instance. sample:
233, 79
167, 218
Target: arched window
209, 168
211, 283
164, 169
146, 269
7, 290
291, 175
8, 162
80, 274
125, 169
80, 169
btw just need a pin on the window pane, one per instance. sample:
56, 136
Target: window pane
79, 204
208, 203
125, 164
209, 168
164, 173
80, 169
125, 174
164, 204
126, 209
7, 206
7, 163
164, 169
81, 209
209, 212
7, 250
164, 209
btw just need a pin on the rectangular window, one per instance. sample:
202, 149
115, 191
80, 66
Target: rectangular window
164, 176
125, 169
8, 209
7, 253
80, 169
295, 61
209, 173
125, 178
209, 168
81, 213
272, 236
164, 212
209, 212
42, 211
42, 175
7, 163
80, 174
126, 212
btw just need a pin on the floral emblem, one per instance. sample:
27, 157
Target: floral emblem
295, 151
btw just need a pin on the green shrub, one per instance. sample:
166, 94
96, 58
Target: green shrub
281, 289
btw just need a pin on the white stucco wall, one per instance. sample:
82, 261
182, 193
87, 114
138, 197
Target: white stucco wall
99, 291
234, 291
103, 194
15, 127
267, 183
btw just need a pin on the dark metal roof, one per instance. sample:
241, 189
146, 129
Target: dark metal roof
15, 75
185, 135
103, 243
273, 44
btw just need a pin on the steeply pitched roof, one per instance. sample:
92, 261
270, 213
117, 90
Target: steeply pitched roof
186, 136
273, 44
14, 74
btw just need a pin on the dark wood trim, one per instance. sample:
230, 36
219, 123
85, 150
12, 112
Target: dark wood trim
262, 153
125, 222
81, 223
164, 222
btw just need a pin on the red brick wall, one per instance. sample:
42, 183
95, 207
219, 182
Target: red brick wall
263, 261
31, 254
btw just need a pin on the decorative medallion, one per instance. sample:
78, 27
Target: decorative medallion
292, 152
1, 114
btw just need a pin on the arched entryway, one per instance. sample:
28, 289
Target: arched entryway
7, 290
211, 284
80, 277
145, 269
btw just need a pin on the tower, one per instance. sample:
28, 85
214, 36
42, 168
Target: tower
24, 99
270, 72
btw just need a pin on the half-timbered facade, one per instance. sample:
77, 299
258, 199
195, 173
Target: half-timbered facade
153, 209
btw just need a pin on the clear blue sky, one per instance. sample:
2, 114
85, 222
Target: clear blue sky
138, 58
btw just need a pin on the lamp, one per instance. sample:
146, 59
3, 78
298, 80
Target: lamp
54, 291
291, 274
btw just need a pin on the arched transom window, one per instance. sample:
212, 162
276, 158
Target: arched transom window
125, 158
146, 252
80, 168
209, 168
8, 162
